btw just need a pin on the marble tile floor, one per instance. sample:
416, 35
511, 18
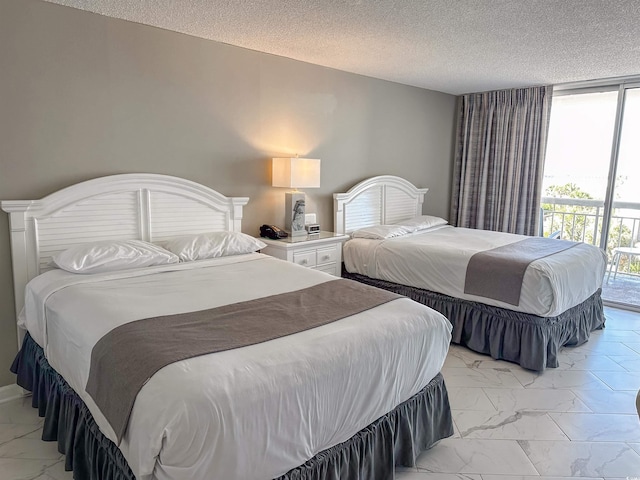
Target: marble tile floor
576, 421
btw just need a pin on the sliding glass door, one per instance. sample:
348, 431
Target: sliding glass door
623, 239
591, 188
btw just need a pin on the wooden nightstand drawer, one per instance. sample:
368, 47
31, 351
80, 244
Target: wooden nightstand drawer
327, 255
322, 251
305, 258
329, 268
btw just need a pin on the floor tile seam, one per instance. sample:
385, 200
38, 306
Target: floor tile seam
56, 459
527, 455
576, 397
561, 429
46, 462
598, 413
571, 387
635, 357
611, 387
479, 473
629, 346
491, 401
587, 442
514, 413
20, 436
519, 442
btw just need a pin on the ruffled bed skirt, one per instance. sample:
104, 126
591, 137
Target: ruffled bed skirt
531, 341
395, 439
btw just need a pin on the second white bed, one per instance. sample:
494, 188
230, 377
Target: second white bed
436, 260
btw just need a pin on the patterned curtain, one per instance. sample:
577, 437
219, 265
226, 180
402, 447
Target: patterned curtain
500, 147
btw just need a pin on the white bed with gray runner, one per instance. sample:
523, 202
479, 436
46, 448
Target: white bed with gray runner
342, 399
554, 302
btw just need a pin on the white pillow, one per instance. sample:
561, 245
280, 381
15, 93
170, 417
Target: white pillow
380, 232
422, 222
112, 255
213, 244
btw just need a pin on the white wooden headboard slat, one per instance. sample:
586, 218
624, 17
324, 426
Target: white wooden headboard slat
130, 206
376, 201
170, 214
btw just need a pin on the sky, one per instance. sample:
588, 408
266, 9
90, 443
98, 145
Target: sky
580, 143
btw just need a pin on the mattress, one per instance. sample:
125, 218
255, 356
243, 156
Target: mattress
436, 260
250, 413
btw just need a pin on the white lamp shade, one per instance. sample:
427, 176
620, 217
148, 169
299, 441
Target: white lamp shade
296, 172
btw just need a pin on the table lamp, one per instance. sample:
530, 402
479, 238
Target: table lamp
295, 173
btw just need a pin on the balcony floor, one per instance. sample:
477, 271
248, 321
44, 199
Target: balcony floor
624, 289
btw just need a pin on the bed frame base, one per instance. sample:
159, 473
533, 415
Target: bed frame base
531, 341
395, 439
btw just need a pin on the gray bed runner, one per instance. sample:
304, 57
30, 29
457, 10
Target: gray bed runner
498, 273
125, 358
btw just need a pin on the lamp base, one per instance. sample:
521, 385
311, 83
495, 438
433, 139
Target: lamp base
294, 213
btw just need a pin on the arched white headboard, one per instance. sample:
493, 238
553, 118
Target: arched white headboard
376, 201
138, 206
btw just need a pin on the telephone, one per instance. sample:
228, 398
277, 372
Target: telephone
272, 231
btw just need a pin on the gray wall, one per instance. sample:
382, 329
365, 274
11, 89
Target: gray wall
82, 96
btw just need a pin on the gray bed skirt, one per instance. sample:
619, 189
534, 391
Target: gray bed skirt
531, 341
395, 439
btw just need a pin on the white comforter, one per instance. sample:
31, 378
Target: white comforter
250, 413
437, 259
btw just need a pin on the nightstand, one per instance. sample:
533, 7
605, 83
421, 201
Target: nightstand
322, 251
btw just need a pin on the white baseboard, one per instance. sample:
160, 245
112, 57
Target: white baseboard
11, 392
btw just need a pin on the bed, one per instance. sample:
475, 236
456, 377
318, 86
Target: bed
347, 399
557, 303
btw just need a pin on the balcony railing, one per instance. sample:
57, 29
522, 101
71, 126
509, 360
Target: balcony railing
580, 220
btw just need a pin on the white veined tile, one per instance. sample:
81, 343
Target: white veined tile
532, 477
30, 448
600, 348
631, 363
436, 476
576, 361
614, 335
598, 427
620, 380
476, 456
468, 377
11, 431
507, 425
19, 411
583, 459
559, 379
463, 357
21, 469
605, 401
469, 398
635, 346
548, 400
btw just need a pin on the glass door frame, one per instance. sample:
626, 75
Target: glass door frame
606, 86
622, 86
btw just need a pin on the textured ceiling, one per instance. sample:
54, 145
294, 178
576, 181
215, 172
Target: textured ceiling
454, 46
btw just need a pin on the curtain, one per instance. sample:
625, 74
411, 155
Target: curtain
500, 148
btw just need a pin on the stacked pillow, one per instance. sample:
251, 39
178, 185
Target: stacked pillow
211, 245
113, 255
404, 227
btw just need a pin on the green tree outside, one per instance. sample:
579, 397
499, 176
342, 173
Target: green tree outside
578, 223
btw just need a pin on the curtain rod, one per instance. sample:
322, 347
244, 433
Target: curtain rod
601, 82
